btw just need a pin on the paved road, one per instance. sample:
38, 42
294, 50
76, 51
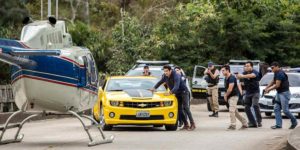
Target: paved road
211, 134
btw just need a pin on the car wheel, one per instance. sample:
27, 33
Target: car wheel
208, 106
298, 115
171, 127
269, 114
104, 126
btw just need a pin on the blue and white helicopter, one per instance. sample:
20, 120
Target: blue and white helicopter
50, 75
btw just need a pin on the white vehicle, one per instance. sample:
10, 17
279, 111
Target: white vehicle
156, 69
266, 101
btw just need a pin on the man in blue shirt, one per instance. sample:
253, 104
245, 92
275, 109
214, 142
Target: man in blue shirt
231, 96
251, 83
179, 88
281, 84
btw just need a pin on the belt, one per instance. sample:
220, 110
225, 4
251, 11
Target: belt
211, 85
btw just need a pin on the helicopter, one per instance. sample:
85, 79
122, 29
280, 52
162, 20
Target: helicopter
50, 76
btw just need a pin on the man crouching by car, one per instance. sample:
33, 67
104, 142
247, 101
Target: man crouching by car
281, 84
179, 88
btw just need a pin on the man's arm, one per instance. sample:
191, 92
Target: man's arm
251, 75
273, 86
229, 90
215, 75
176, 83
160, 82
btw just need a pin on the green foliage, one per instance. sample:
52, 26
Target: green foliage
186, 32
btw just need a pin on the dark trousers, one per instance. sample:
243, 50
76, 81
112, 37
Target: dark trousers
251, 100
184, 107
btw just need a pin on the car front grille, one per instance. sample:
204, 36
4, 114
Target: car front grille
294, 106
142, 104
262, 106
133, 117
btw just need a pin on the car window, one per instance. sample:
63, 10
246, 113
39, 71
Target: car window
138, 72
125, 84
294, 79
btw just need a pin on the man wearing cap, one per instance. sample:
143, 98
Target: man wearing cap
212, 80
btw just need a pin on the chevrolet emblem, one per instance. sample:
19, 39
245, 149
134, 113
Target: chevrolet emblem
142, 105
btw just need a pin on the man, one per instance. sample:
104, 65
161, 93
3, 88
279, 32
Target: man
212, 80
179, 88
146, 71
183, 78
281, 84
251, 79
231, 96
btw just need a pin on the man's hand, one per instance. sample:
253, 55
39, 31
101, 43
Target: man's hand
239, 76
267, 90
225, 98
152, 90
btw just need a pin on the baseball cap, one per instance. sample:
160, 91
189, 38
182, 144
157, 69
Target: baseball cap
210, 64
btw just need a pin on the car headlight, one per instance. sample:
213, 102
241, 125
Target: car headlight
296, 95
167, 103
114, 103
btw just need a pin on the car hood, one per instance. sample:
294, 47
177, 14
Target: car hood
136, 94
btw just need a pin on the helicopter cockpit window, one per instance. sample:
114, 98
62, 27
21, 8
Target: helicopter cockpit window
88, 70
93, 70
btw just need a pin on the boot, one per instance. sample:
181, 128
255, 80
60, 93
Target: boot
193, 126
185, 127
216, 114
212, 115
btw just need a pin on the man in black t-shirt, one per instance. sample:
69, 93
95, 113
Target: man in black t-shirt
251, 79
231, 96
281, 84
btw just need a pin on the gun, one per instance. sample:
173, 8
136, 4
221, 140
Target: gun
263, 93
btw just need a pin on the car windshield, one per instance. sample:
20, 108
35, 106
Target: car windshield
139, 72
199, 72
294, 79
134, 83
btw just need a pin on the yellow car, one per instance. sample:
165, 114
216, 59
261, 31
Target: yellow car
125, 100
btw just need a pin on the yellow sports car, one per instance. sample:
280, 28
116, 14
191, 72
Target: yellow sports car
125, 100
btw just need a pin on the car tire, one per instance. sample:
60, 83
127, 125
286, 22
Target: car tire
101, 120
208, 106
298, 115
171, 127
269, 114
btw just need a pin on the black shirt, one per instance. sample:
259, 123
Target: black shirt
229, 80
284, 86
251, 85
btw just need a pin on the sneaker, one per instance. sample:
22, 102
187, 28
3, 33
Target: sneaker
252, 125
259, 124
276, 127
180, 124
293, 126
231, 127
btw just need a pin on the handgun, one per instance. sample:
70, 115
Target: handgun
263, 93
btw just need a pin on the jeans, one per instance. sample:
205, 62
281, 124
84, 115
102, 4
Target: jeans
251, 100
183, 107
284, 99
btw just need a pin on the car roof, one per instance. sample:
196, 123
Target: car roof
132, 77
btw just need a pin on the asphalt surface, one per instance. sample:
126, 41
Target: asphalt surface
210, 134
